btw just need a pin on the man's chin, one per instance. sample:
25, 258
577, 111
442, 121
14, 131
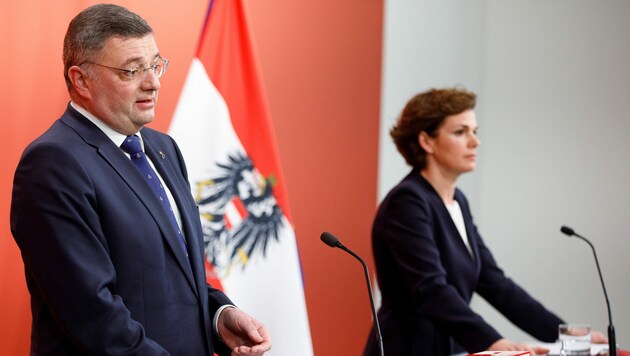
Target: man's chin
145, 118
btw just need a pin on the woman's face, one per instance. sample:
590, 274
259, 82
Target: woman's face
454, 150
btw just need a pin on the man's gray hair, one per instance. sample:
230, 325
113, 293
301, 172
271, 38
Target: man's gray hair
90, 29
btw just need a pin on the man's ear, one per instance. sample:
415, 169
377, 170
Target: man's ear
426, 142
79, 81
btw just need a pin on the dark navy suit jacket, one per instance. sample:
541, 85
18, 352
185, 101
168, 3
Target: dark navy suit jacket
105, 271
427, 278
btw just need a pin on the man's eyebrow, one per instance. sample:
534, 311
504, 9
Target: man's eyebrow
140, 59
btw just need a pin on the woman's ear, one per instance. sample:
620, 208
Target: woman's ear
426, 142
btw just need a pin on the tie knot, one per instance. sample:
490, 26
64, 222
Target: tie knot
131, 145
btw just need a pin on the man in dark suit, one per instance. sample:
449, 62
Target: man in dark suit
114, 264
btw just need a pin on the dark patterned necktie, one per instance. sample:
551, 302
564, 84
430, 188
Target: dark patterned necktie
139, 158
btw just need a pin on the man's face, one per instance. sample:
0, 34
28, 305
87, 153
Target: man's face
124, 104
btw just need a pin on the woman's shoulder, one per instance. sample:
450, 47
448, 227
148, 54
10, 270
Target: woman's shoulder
409, 202
412, 189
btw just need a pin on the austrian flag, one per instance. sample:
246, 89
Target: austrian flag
222, 124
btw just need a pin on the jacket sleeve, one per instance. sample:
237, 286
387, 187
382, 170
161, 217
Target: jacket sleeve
407, 228
69, 272
512, 301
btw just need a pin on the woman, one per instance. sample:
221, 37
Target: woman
429, 256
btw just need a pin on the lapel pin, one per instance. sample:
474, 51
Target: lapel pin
162, 155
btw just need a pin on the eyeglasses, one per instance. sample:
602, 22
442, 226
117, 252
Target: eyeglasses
158, 68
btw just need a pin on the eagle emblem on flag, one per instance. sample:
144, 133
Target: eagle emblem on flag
239, 213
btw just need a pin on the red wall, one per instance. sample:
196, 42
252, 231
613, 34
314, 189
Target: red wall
321, 62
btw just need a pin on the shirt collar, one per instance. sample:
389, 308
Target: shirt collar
113, 135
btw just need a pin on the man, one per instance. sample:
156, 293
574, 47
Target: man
114, 263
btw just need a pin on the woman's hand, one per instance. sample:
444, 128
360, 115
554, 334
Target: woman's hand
507, 345
597, 337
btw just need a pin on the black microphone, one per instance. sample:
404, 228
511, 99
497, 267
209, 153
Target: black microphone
330, 240
612, 345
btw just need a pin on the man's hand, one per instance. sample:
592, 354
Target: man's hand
243, 334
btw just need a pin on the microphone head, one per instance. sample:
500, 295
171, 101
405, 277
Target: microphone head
329, 239
567, 230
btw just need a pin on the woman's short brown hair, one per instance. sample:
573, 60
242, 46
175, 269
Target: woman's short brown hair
426, 112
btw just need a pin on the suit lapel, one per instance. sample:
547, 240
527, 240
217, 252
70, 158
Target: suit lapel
163, 163
127, 171
446, 216
143, 191
472, 241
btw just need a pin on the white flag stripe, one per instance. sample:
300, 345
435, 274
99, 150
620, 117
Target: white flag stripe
282, 309
201, 124
268, 287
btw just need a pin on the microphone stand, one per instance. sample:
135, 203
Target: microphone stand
330, 240
612, 344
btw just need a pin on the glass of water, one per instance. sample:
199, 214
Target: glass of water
575, 339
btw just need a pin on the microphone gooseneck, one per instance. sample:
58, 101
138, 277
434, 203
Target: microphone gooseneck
612, 344
332, 241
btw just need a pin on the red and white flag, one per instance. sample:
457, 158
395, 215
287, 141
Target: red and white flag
222, 124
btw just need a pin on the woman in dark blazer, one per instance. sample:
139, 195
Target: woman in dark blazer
429, 256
